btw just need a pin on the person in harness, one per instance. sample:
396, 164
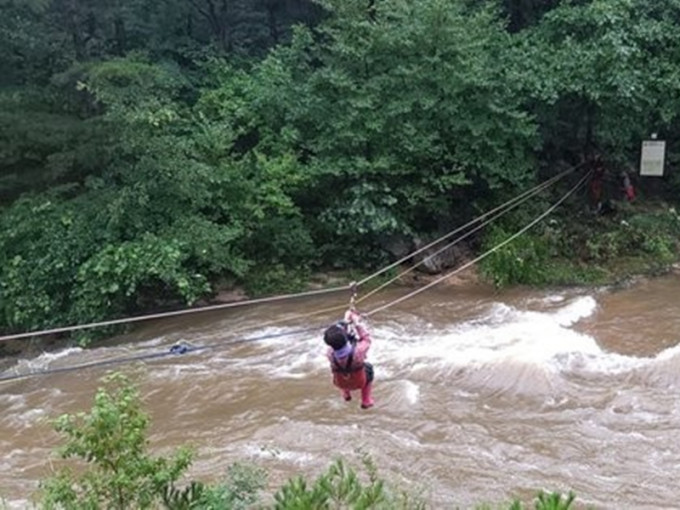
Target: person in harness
348, 343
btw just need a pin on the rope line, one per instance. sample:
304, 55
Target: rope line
171, 314
468, 224
508, 207
483, 255
183, 348
248, 302
296, 316
499, 211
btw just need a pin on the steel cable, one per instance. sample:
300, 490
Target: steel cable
494, 213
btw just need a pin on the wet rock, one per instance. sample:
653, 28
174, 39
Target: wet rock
398, 246
435, 260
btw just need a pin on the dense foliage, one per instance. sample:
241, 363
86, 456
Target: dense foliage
154, 152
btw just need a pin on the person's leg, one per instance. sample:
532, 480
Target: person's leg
346, 395
366, 390
366, 396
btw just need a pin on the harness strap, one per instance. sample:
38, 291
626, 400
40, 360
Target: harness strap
348, 368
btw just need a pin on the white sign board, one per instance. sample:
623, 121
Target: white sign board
651, 160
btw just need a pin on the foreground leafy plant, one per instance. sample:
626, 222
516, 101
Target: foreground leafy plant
341, 487
120, 473
543, 501
554, 501
111, 439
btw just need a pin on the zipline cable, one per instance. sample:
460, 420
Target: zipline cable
468, 224
304, 315
509, 206
499, 211
223, 306
184, 348
161, 315
483, 255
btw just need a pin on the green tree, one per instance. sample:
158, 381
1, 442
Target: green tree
525, 13
604, 74
112, 440
407, 104
149, 222
117, 471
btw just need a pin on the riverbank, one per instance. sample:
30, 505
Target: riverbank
614, 272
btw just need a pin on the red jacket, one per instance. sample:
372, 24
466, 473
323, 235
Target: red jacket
348, 371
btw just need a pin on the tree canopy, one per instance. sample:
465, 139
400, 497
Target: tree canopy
151, 152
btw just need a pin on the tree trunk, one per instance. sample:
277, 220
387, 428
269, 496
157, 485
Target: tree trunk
218, 20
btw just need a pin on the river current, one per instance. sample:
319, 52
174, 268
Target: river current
481, 395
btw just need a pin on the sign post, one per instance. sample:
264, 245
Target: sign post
652, 157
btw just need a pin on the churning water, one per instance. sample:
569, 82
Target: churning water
482, 396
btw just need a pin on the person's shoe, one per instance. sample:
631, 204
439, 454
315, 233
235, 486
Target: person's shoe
366, 405
346, 395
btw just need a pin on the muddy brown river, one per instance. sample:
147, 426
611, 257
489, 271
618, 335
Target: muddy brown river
481, 396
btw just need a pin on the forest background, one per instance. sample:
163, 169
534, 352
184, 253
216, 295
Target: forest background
155, 152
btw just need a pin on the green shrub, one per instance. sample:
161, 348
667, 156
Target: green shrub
605, 246
656, 234
239, 492
554, 501
543, 501
274, 279
112, 441
582, 249
522, 261
341, 487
